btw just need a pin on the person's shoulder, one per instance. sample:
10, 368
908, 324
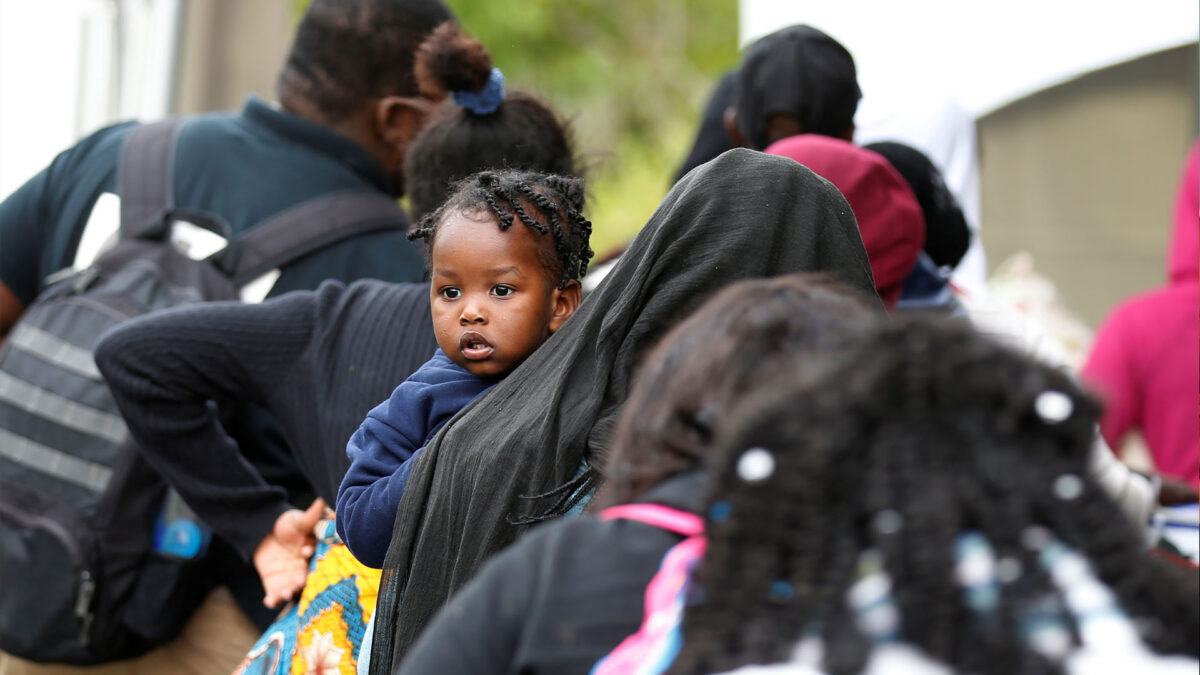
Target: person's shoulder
371, 298
1136, 313
563, 534
102, 145
112, 133
619, 536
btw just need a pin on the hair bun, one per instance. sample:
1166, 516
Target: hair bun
450, 60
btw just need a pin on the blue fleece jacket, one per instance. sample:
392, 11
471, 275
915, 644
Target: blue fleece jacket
383, 449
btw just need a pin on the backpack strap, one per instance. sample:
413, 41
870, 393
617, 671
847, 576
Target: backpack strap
662, 517
145, 178
311, 226
655, 644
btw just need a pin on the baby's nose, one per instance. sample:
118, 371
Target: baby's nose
472, 314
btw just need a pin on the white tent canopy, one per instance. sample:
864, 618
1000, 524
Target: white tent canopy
985, 54
929, 68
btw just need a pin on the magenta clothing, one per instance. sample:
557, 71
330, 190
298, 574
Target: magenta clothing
1145, 362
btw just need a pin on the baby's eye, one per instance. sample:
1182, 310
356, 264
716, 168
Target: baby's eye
450, 293
502, 291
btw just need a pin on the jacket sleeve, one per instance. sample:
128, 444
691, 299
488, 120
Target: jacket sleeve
382, 451
166, 370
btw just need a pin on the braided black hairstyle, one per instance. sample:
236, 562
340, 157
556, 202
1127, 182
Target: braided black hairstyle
522, 133
348, 51
548, 204
938, 427
686, 385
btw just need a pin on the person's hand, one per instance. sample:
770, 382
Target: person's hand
1174, 492
282, 557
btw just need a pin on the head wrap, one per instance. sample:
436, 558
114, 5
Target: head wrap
797, 71
888, 214
1182, 257
742, 215
485, 101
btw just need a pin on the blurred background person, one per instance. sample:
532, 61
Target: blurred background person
1145, 361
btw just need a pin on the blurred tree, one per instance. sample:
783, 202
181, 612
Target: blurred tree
631, 75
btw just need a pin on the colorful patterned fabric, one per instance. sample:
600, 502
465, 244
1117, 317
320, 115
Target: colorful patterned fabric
322, 633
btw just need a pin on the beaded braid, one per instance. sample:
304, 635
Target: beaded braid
938, 428
542, 202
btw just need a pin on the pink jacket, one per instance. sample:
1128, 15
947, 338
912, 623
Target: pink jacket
1145, 362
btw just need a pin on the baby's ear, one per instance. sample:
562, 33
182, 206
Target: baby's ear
565, 300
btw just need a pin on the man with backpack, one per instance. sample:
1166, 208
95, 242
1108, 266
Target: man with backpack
348, 106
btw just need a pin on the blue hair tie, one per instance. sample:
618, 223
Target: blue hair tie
485, 101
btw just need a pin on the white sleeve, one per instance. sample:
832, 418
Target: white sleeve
1134, 493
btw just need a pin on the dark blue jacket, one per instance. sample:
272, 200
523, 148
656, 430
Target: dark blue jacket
382, 451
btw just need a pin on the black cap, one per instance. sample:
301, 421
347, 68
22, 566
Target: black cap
797, 71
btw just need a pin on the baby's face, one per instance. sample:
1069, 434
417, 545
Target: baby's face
492, 300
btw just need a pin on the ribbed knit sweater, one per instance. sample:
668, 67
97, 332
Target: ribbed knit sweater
317, 360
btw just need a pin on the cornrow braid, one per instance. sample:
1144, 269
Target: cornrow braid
914, 434
549, 205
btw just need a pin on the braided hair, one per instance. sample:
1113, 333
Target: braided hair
455, 142
349, 51
914, 435
547, 204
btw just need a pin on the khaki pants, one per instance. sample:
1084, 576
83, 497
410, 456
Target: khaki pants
213, 642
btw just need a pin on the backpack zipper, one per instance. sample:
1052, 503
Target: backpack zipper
87, 585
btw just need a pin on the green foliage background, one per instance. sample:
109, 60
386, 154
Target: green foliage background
630, 75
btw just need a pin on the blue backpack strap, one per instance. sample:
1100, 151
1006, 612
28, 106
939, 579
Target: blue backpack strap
655, 644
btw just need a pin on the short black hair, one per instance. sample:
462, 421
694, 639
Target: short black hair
522, 133
348, 51
947, 235
798, 71
919, 432
548, 204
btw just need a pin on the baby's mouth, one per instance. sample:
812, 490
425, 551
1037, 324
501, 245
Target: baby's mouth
474, 346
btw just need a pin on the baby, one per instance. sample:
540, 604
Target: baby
505, 255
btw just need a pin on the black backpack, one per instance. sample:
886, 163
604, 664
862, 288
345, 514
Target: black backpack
80, 582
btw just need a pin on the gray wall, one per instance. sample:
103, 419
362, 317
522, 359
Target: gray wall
231, 48
1084, 175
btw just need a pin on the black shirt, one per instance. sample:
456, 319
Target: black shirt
556, 601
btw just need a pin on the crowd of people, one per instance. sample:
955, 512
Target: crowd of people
770, 433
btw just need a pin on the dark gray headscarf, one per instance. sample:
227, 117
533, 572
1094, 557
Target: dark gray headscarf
742, 215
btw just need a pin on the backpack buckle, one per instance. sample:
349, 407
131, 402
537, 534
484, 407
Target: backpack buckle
85, 279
